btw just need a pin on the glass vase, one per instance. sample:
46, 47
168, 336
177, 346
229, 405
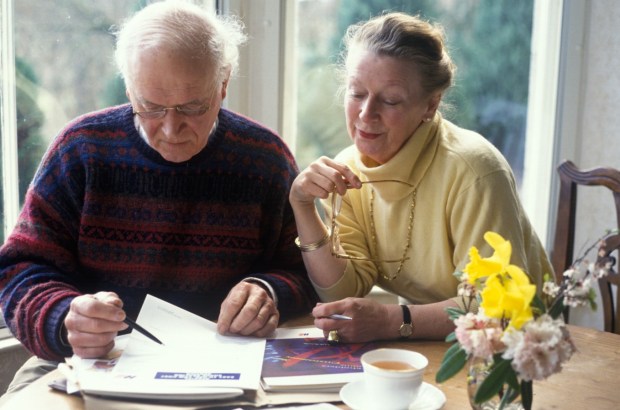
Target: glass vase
477, 371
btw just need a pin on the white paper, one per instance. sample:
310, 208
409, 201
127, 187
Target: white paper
194, 361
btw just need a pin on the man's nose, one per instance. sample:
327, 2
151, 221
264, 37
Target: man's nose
172, 121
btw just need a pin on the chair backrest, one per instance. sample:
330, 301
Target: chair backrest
610, 284
570, 176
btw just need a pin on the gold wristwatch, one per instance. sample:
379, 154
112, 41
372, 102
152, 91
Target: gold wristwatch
406, 329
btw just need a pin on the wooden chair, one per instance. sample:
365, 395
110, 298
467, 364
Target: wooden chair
610, 284
571, 176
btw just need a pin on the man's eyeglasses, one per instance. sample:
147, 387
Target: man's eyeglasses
189, 111
334, 238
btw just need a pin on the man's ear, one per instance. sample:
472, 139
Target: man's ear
224, 88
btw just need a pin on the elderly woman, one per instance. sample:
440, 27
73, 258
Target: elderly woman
169, 195
409, 198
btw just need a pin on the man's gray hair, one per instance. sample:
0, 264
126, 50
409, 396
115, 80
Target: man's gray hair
185, 28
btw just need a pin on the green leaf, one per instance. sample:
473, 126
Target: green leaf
527, 394
557, 308
452, 350
496, 378
538, 304
454, 313
510, 395
592, 299
512, 381
453, 361
451, 337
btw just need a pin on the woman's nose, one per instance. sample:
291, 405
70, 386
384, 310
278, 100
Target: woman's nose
368, 110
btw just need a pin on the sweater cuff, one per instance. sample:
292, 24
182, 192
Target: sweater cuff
265, 285
55, 329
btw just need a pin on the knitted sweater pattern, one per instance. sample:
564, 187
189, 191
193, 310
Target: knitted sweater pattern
107, 212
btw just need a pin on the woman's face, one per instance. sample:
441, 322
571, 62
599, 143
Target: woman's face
384, 103
164, 79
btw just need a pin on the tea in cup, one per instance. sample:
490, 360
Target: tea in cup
393, 377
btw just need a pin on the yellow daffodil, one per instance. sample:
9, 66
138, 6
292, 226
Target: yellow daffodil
507, 292
479, 267
508, 296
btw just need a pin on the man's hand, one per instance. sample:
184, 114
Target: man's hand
248, 310
93, 322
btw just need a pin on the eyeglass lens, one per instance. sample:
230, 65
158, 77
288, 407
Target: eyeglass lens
335, 233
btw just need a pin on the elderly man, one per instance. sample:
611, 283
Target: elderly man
169, 195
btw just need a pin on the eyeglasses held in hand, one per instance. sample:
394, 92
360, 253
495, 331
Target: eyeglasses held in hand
336, 249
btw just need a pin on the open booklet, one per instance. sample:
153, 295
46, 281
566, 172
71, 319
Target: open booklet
195, 363
300, 359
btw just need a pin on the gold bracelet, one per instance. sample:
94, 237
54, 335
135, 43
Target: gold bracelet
312, 246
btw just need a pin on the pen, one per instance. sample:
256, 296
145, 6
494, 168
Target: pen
132, 324
336, 316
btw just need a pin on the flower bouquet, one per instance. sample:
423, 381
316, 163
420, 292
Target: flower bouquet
516, 336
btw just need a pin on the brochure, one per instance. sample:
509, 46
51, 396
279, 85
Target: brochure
300, 359
195, 363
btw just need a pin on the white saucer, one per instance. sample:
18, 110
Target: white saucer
429, 397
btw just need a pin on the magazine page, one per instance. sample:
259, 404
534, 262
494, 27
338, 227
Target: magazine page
194, 362
302, 359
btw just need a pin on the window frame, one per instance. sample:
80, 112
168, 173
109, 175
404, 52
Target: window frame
8, 118
541, 154
264, 89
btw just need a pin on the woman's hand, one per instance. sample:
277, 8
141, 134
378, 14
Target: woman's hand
93, 322
370, 319
321, 178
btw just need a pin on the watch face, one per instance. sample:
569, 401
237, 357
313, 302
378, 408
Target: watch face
405, 330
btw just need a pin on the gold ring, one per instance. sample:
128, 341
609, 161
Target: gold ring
332, 336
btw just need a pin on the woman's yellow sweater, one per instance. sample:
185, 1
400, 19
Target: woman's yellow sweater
464, 187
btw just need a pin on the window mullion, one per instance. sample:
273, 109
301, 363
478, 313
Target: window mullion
8, 118
541, 131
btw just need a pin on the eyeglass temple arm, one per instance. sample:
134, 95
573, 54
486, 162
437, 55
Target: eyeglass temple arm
376, 181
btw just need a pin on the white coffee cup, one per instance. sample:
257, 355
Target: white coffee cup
392, 377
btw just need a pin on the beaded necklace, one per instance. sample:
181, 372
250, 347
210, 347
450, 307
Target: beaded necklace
373, 233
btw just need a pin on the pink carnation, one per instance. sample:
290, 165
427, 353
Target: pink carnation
478, 335
539, 349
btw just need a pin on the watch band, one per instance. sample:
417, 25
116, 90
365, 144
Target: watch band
406, 314
406, 329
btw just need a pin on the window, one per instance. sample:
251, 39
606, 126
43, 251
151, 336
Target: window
488, 40
57, 63
63, 68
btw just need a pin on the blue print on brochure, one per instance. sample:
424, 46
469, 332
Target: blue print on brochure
311, 356
196, 376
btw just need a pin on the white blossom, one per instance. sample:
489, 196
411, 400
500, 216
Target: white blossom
539, 349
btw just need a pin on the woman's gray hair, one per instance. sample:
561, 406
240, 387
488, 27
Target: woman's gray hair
191, 31
409, 38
